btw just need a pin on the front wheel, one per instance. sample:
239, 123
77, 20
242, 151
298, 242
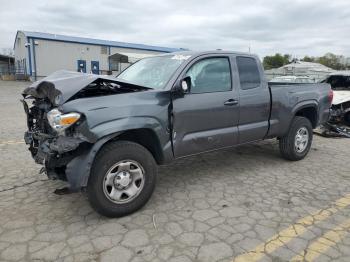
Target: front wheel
297, 142
122, 179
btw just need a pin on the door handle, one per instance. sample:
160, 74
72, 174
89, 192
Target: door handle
231, 102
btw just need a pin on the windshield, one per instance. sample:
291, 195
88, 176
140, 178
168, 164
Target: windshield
153, 72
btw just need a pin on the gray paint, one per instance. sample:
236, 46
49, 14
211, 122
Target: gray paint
200, 122
254, 109
288, 99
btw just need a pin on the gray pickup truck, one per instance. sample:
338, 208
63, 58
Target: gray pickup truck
107, 135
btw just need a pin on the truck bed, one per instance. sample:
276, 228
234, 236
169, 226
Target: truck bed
284, 104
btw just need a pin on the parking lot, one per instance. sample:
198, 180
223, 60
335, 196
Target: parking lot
240, 204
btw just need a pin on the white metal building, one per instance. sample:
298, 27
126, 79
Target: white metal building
40, 54
315, 71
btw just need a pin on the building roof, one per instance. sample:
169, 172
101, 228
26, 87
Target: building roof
92, 41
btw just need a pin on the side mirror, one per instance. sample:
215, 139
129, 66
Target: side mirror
186, 84
183, 86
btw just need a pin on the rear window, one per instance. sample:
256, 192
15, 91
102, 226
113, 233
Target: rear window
248, 71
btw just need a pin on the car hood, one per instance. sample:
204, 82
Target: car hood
340, 97
62, 85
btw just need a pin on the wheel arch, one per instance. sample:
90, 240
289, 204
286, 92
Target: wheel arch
145, 137
309, 111
78, 170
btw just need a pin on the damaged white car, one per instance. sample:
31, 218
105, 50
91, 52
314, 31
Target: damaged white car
339, 122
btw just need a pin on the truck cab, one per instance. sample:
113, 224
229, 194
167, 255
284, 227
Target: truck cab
222, 87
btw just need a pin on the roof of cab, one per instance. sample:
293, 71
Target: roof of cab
210, 52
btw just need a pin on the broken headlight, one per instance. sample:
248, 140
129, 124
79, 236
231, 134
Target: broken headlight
59, 121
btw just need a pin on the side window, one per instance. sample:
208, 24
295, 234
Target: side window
248, 71
210, 75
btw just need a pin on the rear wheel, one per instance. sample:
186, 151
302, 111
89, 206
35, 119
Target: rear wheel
122, 179
297, 142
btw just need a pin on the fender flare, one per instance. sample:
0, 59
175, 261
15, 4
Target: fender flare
78, 170
304, 104
307, 104
294, 110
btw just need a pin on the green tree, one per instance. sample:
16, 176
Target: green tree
275, 61
331, 60
308, 59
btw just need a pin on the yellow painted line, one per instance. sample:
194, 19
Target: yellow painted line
11, 142
286, 235
322, 244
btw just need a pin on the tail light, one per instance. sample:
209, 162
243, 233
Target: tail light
330, 96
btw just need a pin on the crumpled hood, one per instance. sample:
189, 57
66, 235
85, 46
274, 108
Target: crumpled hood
61, 85
340, 97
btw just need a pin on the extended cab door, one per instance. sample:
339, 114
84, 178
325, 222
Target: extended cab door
206, 117
254, 96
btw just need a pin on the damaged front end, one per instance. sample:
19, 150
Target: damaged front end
50, 136
60, 137
339, 122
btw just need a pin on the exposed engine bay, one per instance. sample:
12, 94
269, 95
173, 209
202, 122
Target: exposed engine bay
339, 122
48, 147
103, 87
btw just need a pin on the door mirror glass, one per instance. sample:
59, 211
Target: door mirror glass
183, 86
186, 84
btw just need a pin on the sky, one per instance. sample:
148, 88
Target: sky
306, 27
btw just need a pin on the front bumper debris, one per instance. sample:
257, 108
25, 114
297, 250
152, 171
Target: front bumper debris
48, 146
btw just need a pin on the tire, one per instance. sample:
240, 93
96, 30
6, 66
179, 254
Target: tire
109, 177
288, 144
